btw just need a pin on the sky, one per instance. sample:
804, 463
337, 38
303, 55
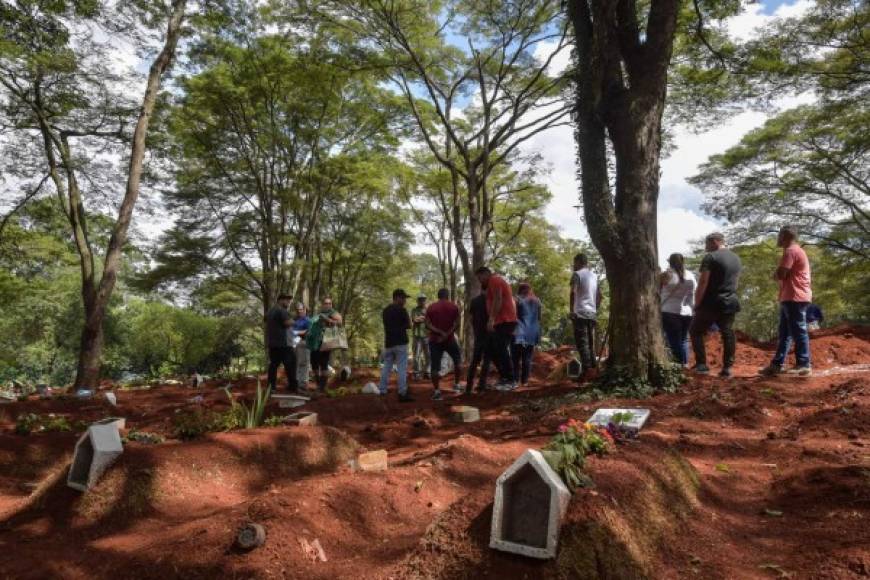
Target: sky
681, 222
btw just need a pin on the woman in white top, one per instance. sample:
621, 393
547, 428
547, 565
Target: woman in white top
677, 298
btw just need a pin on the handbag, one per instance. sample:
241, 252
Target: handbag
334, 338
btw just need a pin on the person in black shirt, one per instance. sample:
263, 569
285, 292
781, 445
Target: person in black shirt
716, 303
279, 340
479, 318
396, 325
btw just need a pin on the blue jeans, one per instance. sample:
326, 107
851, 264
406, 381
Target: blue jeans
676, 329
398, 356
793, 327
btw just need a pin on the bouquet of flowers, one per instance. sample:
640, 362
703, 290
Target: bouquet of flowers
567, 452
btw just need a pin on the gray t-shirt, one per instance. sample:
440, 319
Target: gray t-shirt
721, 294
277, 331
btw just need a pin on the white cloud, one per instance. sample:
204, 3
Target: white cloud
746, 24
679, 229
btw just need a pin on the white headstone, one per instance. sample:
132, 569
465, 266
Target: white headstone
638, 419
530, 503
95, 451
290, 401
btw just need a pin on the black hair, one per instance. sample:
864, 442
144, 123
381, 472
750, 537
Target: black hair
483, 270
581, 259
443, 293
284, 297
677, 263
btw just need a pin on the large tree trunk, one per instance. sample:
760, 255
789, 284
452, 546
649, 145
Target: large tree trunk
90, 354
621, 88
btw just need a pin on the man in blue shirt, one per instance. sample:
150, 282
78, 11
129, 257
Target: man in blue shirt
300, 327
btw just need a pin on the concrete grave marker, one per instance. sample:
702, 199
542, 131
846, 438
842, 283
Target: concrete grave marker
574, 368
373, 461
370, 389
290, 401
530, 502
304, 419
602, 417
95, 451
465, 414
118, 422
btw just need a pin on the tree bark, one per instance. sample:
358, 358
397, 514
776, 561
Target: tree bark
620, 93
90, 354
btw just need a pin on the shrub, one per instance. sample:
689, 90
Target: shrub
192, 424
250, 417
144, 437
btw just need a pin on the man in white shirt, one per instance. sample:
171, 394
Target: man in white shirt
585, 300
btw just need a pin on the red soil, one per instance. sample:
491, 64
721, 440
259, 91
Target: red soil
783, 467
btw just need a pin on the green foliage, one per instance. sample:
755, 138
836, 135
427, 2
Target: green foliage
620, 382
567, 451
808, 167
27, 423
273, 421
249, 417
144, 437
193, 423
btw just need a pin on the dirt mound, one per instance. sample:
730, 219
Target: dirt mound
613, 533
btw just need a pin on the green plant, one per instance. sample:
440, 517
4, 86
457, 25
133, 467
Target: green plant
274, 421
56, 423
252, 416
621, 382
620, 418
567, 451
192, 424
144, 437
26, 423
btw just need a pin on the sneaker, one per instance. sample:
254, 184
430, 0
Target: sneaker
803, 370
458, 389
701, 369
771, 370
725, 373
436, 396
406, 399
504, 386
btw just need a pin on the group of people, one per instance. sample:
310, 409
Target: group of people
297, 343
506, 330
692, 306
506, 327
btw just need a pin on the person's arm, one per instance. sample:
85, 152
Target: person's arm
435, 330
286, 320
406, 319
598, 296
333, 319
702, 288
785, 265
496, 307
571, 294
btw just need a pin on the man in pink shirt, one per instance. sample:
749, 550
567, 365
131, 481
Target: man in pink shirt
795, 295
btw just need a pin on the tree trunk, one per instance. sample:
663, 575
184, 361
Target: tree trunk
90, 355
620, 92
90, 352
